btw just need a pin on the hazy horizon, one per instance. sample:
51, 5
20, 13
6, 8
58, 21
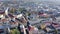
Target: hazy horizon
30, 0
34, 0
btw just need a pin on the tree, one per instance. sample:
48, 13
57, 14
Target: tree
12, 10
22, 10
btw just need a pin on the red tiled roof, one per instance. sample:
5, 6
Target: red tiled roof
4, 20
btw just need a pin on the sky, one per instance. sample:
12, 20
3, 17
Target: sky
31, 0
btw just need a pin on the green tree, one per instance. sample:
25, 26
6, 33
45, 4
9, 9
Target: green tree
22, 10
12, 10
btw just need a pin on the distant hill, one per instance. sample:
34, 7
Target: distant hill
30, 0
58, 1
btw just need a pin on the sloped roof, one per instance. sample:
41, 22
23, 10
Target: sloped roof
10, 15
2, 12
